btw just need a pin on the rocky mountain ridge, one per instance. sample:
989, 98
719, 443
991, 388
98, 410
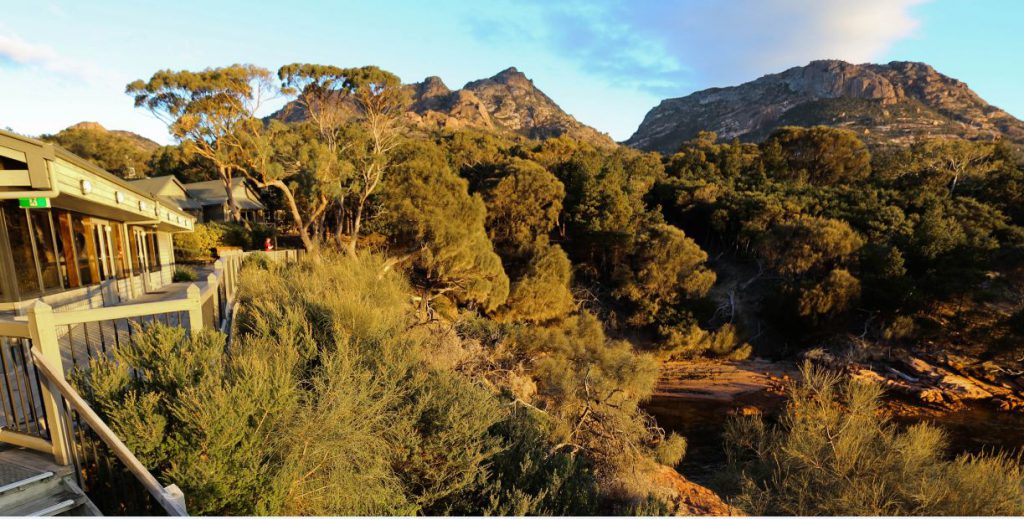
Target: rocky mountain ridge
507, 101
884, 103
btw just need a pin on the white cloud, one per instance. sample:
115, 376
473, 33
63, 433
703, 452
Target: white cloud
672, 47
23, 53
737, 41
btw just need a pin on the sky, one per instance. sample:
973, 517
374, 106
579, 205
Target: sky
605, 62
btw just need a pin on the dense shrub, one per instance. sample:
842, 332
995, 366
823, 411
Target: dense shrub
200, 244
184, 273
335, 400
544, 292
834, 453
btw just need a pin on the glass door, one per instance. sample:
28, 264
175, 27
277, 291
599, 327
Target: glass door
140, 245
105, 255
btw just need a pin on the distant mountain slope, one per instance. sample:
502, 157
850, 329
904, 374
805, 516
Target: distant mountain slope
507, 101
140, 142
895, 102
121, 152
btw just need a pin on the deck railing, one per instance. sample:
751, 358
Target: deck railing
40, 410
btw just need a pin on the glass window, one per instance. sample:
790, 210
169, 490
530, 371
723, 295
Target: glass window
21, 251
46, 248
153, 251
66, 250
85, 250
120, 258
99, 235
135, 251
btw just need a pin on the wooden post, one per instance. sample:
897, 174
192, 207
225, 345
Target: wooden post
232, 278
211, 284
177, 497
222, 276
195, 307
43, 333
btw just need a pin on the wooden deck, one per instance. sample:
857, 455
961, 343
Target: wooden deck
17, 465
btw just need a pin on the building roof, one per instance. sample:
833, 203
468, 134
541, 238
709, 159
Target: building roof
31, 168
169, 190
211, 192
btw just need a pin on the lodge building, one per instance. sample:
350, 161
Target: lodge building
74, 235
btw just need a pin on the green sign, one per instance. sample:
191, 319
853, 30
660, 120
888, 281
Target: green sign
33, 203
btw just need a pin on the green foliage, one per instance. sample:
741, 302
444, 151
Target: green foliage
901, 327
804, 204
191, 418
593, 386
819, 155
213, 113
184, 273
544, 291
532, 476
524, 205
836, 294
344, 150
120, 153
186, 167
332, 401
834, 453
671, 450
693, 341
199, 244
604, 192
427, 211
665, 269
797, 245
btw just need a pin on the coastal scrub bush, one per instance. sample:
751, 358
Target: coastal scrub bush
834, 452
331, 400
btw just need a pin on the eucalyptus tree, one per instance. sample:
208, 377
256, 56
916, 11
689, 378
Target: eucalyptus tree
355, 159
211, 111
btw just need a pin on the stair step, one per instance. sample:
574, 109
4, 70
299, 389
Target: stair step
47, 505
21, 483
32, 485
55, 509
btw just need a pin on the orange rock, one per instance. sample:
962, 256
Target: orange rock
686, 497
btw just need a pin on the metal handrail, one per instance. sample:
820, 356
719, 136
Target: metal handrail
170, 498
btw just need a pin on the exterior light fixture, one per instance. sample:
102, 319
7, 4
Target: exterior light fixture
86, 187
142, 205
119, 196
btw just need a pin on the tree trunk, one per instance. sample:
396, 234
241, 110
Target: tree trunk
339, 232
225, 177
307, 242
354, 237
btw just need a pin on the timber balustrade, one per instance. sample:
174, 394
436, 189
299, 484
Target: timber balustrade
40, 410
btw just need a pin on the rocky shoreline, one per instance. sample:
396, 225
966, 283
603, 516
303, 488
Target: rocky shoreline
918, 383
940, 382
695, 397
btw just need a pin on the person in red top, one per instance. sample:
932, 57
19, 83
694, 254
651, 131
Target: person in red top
267, 246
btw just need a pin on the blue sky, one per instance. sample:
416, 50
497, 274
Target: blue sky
606, 62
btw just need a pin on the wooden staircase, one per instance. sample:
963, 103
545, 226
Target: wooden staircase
31, 485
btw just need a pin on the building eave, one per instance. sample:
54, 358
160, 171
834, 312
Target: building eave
73, 182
